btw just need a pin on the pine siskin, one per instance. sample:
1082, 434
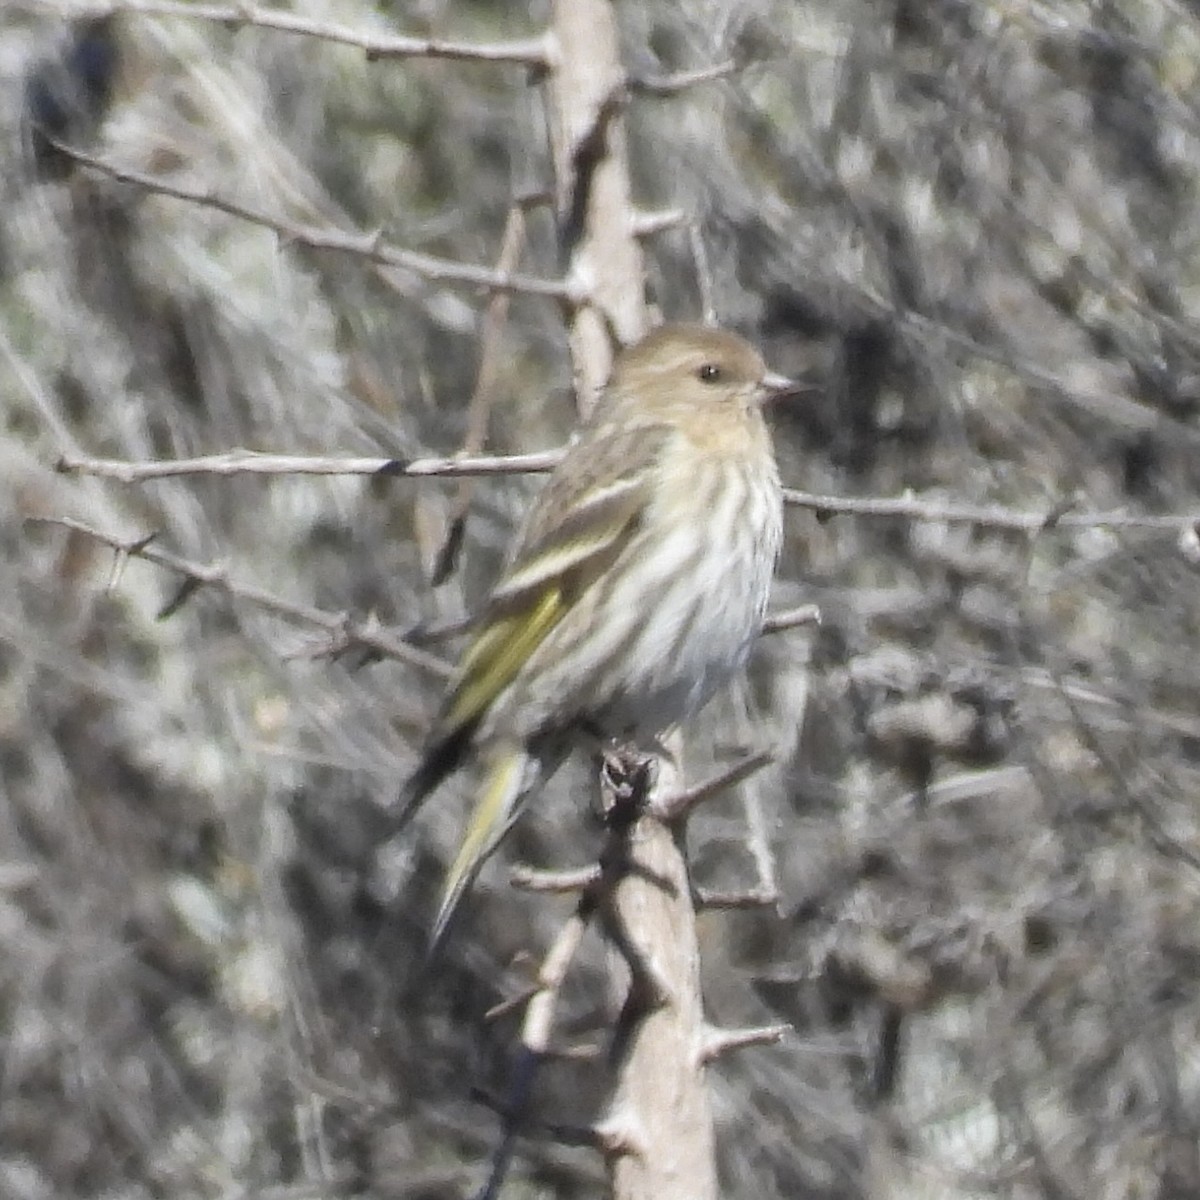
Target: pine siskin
637, 586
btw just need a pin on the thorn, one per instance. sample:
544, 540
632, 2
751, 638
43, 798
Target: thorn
646, 224
446, 560
619, 1136
584, 1052
1189, 542
760, 897
121, 557
716, 1042
674, 808
536, 198
394, 466
1055, 514
531, 879
119, 562
792, 618
503, 1007
187, 590
670, 85
424, 633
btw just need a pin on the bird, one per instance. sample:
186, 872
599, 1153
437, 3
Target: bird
635, 588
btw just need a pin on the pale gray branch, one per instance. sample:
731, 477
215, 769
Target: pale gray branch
792, 618
530, 879
533, 51
249, 462
646, 224
681, 81
722, 1041
369, 246
759, 897
672, 808
344, 632
995, 516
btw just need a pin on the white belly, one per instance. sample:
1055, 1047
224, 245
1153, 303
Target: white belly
676, 617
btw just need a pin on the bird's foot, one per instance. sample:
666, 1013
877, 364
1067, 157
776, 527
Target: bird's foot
627, 776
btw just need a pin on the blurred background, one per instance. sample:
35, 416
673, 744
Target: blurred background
982, 817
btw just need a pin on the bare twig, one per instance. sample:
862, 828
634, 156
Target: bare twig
673, 808
765, 889
344, 632
704, 279
425, 633
528, 879
759, 897
369, 246
680, 81
535, 1041
586, 96
722, 1041
530, 52
995, 516
646, 224
792, 618
539, 1016
249, 462
479, 408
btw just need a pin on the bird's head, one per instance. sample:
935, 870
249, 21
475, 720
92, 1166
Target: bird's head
694, 369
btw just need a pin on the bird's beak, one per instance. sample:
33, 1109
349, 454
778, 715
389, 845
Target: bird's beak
778, 387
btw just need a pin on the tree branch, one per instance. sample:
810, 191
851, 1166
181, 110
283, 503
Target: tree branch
482, 397
250, 462
792, 618
994, 516
344, 632
722, 1041
707, 899
647, 224
368, 246
914, 508
531, 879
529, 52
672, 85
677, 806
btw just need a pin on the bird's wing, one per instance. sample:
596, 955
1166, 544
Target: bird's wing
578, 524
580, 521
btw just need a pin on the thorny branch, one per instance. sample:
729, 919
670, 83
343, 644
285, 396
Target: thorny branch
534, 51
914, 508
249, 462
369, 246
344, 632
681, 81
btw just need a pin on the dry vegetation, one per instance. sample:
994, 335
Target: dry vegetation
983, 811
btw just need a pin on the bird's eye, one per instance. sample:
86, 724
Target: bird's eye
709, 373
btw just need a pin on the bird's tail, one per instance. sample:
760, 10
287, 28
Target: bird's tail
504, 782
444, 756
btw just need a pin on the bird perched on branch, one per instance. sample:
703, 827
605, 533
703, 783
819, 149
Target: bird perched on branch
636, 588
